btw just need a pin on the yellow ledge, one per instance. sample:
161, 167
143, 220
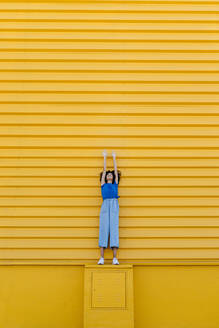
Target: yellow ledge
86, 263
111, 266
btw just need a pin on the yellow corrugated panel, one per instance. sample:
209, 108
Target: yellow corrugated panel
138, 77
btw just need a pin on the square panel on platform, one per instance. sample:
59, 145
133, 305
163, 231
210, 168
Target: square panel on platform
108, 296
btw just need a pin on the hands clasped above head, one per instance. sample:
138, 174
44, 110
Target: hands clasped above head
105, 153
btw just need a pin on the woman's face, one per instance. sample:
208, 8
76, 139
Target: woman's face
109, 177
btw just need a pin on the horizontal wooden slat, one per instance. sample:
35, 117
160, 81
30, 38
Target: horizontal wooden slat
85, 87
123, 232
127, 172
108, 76
64, 222
83, 243
100, 25
110, 142
71, 153
101, 35
99, 56
107, 15
91, 182
71, 201
161, 5
112, 109
137, 2
105, 131
199, 97
111, 66
143, 162
90, 211
93, 192
116, 120
114, 45
123, 254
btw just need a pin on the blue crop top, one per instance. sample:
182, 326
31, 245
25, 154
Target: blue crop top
109, 190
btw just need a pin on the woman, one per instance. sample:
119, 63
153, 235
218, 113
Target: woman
109, 213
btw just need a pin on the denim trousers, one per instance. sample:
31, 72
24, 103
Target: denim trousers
109, 223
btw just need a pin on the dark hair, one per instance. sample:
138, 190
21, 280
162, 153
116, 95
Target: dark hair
113, 173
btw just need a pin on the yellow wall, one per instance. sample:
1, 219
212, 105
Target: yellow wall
41, 296
176, 296
137, 77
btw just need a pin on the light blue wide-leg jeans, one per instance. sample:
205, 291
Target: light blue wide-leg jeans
109, 223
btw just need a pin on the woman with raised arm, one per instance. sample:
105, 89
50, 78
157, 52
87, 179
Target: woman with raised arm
109, 212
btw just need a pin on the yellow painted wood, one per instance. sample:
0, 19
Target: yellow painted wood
85, 87
124, 254
186, 191
113, 65
117, 120
91, 232
106, 131
159, 5
93, 222
75, 211
99, 55
137, 77
54, 152
44, 142
114, 15
121, 25
71, 201
208, 98
110, 109
108, 35
125, 243
150, 181
109, 75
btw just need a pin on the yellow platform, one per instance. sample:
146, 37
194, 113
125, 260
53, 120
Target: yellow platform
108, 296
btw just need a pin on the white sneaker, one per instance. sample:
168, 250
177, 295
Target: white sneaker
115, 261
101, 260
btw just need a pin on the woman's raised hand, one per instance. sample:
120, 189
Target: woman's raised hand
104, 153
113, 154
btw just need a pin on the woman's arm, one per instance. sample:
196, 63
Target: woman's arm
104, 167
115, 166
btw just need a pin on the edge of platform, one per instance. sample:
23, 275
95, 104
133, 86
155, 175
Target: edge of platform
116, 266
